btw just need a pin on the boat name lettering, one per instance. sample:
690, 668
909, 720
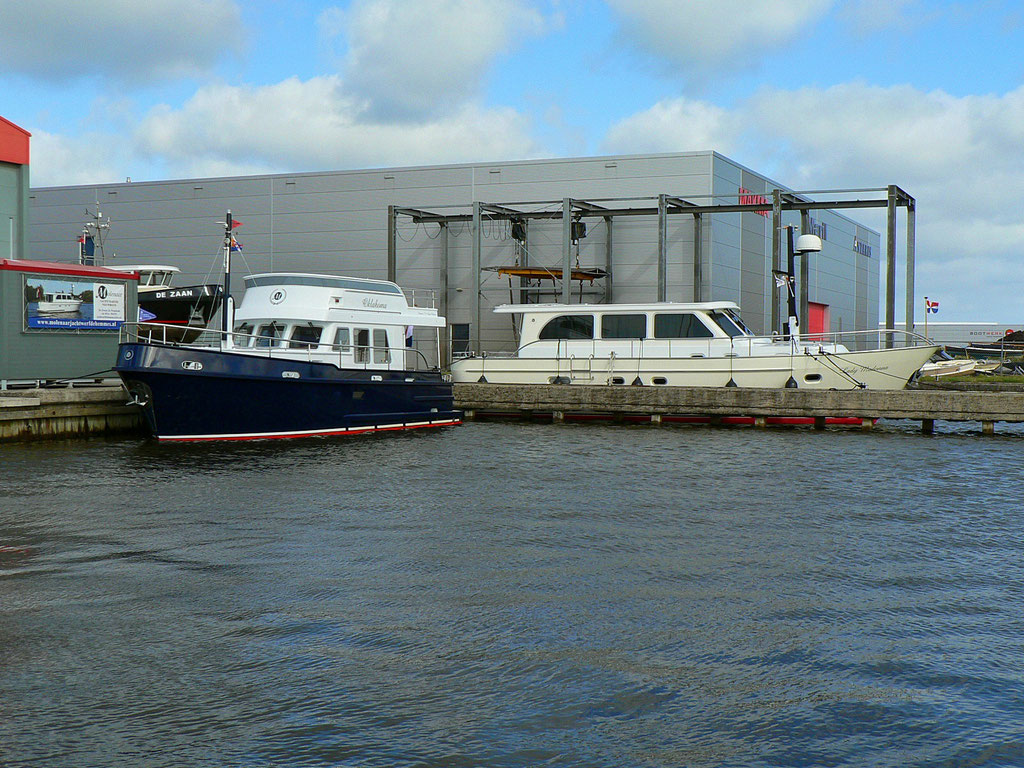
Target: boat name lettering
181, 293
191, 365
374, 304
289, 374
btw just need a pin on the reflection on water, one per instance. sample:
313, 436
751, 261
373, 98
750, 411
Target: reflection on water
515, 595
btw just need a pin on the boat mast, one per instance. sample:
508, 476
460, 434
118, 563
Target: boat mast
226, 317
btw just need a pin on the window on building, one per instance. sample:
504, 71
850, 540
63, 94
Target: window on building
569, 327
681, 325
460, 338
624, 326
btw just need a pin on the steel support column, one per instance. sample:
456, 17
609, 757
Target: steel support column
475, 227
566, 250
890, 263
445, 355
662, 247
392, 245
608, 250
775, 326
698, 257
911, 235
805, 273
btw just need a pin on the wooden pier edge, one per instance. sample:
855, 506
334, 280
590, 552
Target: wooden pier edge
619, 402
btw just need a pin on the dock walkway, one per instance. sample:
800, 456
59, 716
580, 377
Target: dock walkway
656, 403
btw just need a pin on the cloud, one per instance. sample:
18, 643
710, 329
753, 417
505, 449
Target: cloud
715, 34
64, 161
958, 156
122, 39
300, 125
413, 60
675, 125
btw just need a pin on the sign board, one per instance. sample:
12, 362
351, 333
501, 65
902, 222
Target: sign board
58, 304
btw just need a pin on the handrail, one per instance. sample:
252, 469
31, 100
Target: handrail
279, 347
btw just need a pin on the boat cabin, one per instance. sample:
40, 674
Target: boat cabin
151, 276
616, 327
352, 322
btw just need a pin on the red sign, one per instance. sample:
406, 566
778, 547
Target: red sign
749, 198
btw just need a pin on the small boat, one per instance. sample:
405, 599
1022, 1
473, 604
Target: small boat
58, 303
702, 344
189, 308
308, 355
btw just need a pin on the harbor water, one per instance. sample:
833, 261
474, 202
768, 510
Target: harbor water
516, 595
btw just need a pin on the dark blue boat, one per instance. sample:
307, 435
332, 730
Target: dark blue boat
308, 355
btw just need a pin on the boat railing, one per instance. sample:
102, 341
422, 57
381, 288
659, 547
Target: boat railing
718, 346
373, 358
421, 297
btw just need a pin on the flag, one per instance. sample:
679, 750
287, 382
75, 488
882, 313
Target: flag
235, 223
930, 306
781, 278
145, 315
235, 245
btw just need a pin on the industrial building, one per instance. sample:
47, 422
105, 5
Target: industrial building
14, 158
677, 227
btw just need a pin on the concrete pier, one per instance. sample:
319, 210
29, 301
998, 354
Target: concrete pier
619, 402
27, 414
97, 409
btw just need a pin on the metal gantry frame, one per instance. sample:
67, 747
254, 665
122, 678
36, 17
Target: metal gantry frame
665, 205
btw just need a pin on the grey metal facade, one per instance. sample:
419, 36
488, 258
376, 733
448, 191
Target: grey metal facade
336, 223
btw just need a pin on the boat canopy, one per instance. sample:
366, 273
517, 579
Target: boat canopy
322, 281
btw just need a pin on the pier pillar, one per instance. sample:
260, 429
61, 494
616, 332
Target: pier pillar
656, 419
760, 422
928, 426
988, 427
819, 422
557, 417
866, 425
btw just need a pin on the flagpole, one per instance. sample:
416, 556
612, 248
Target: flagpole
927, 311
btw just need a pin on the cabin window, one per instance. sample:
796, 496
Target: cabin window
269, 335
624, 326
726, 323
569, 327
682, 325
342, 340
381, 353
305, 336
362, 354
243, 333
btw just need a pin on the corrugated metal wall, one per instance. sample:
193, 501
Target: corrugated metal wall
336, 223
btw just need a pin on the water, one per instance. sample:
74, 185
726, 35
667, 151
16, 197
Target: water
515, 595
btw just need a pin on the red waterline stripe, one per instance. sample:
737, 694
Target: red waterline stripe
325, 433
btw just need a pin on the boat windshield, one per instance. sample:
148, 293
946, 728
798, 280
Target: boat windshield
730, 323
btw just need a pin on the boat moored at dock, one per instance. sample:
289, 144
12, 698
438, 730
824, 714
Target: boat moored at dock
308, 355
690, 345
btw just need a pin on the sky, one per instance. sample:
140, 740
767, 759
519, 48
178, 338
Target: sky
815, 94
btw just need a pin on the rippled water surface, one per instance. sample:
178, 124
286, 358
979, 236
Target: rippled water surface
515, 595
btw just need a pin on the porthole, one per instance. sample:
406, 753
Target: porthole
659, 380
618, 380
812, 377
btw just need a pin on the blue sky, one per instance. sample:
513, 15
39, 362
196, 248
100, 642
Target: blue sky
817, 94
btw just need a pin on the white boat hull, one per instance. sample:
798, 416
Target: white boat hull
873, 369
